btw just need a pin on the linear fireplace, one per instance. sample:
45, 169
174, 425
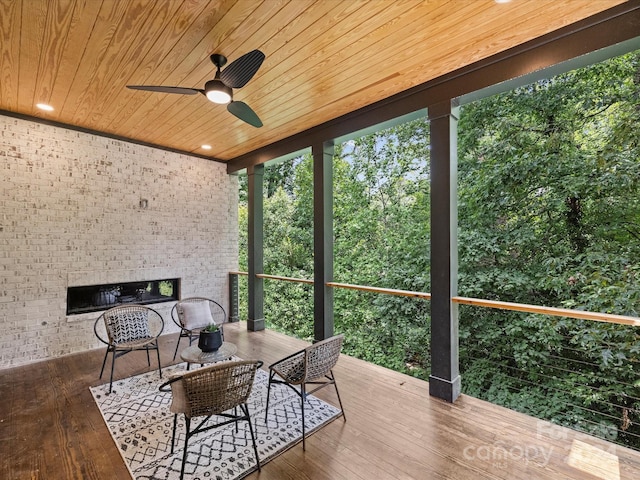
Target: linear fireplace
94, 298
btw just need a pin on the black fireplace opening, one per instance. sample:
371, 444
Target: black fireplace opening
94, 298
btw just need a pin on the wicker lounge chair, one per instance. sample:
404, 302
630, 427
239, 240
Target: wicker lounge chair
128, 328
310, 366
209, 391
192, 314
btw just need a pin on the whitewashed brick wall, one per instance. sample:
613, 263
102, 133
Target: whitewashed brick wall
70, 215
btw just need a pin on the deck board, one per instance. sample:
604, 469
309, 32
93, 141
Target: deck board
50, 427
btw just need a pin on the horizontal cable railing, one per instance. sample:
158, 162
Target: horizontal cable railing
284, 279
575, 383
476, 302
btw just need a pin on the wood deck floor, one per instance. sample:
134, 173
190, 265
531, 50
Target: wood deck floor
51, 429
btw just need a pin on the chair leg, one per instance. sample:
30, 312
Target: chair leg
173, 437
333, 378
177, 345
104, 362
245, 410
113, 362
266, 410
302, 399
158, 354
187, 422
148, 359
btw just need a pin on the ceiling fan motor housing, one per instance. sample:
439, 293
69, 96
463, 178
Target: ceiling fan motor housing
218, 92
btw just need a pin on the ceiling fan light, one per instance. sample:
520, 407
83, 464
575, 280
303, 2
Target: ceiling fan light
217, 92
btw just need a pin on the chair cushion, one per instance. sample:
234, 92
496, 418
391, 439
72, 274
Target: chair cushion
195, 314
128, 326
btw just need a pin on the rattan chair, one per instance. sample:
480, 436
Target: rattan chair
192, 314
127, 328
209, 391
311, 366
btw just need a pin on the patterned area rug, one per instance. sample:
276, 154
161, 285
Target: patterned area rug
140, 423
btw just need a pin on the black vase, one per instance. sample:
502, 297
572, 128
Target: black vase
210, 341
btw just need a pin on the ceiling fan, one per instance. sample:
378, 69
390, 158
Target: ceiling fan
219, 90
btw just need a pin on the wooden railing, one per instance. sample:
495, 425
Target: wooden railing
476, 302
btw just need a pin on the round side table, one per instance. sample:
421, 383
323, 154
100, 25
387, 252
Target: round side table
193, 354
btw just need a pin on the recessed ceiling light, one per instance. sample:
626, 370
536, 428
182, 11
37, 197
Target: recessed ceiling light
502, 1
44, 106
206, 147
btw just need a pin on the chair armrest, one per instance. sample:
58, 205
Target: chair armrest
178, 376
174, 315
285, 359
292, 368
174, 378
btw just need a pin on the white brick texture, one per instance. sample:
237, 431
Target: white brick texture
70, 215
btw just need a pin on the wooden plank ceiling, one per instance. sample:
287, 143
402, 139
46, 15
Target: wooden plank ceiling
324, 58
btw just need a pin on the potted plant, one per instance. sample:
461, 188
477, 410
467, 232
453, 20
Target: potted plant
210, 338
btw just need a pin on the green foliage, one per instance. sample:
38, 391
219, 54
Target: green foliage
548, 213
549, 216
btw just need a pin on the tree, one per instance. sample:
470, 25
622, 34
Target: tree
549, 208
548, 216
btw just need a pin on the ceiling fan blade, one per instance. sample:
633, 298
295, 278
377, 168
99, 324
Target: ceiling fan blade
163, 89
241, 70
244, 113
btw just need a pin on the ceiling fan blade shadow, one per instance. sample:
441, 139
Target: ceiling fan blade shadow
241, 70
244, 113
163, 89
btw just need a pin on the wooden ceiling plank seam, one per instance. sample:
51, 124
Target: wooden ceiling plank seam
139, 46
457, 40
85, 32
309, 25
353, 21
384, 48
74, 50
235, 43
120, 42
30, 52
98, 42
554, 47
161, 57
317, 53
10, 17
315, 112
207, 108
269, 28
54, 46
352, 54
168, 103
295, 111
347, 8
191, 124
375, 70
